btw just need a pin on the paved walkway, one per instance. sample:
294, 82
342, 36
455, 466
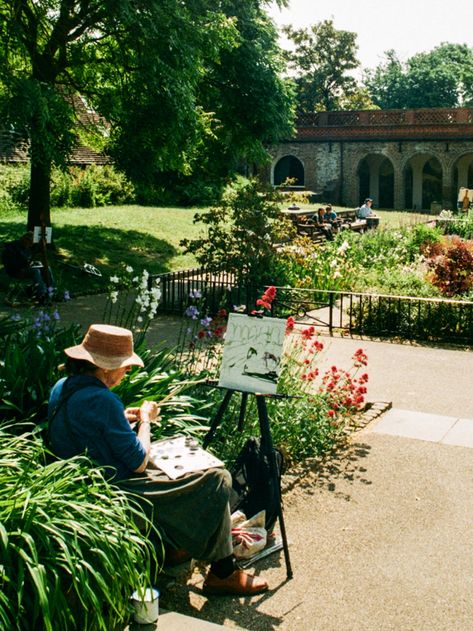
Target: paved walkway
381, 536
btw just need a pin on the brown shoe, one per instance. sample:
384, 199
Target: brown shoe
239, 583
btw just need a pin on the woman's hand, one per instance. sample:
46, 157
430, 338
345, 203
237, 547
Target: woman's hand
133, 415
149, 411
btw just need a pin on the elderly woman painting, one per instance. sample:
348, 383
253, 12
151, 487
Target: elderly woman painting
85, 416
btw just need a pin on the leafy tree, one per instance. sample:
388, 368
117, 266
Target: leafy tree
241, 234
139, 64
442, 77
322, 58
251, 104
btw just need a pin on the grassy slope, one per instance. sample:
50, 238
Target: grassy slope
143, 237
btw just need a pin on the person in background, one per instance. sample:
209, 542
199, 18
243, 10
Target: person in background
330, 217
17, 258
86, 416
366, 212
322, 225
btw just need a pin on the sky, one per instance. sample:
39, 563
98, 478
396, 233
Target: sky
407, 26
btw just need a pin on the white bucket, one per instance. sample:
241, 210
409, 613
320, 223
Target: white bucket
146, 608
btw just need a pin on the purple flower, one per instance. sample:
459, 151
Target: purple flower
192, 312
56, 315
195, 293
67, 295
206, 321
16, 317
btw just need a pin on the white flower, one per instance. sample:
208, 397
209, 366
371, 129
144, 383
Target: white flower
129, 269
114, 279
140, 319
135, 280
344, 247
333, 263
114, 296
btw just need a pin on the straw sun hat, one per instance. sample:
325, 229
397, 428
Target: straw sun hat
107, 347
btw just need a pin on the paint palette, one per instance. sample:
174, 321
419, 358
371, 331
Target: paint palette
179, 455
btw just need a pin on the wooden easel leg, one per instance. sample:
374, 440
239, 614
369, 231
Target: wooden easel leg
267, 445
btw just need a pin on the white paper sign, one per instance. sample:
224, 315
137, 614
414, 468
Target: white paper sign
38, 233
252, 352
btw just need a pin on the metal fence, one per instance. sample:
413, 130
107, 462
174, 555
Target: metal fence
370, 315
378, 315
216, 290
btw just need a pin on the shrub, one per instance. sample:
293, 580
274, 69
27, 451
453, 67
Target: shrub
452, 271
241, 235
30, 356
71, 554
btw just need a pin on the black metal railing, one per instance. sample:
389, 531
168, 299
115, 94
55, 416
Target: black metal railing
379, 315
215, 289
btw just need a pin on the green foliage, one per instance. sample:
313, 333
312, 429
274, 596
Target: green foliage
14, 185
31, 354
241, 235
442, 77
71, 554
322, 60
198, 110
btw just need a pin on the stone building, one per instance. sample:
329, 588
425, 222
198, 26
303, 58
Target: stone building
403, 159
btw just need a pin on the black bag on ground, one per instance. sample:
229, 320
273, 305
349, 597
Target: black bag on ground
253, 486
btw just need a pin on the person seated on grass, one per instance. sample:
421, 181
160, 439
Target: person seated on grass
85, 416
17, 258
322, 225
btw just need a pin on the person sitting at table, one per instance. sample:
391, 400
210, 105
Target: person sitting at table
366, 212
85, 416
322, 225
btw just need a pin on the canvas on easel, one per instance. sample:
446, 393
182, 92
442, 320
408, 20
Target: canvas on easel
252, 353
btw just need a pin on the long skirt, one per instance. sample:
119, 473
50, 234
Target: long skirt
192, 511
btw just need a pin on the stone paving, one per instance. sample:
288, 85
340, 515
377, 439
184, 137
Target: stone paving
380, 532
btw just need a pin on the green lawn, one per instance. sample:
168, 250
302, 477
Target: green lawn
143, 237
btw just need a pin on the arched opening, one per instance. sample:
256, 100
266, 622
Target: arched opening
289, 167
462, 176
376, 180
422, 182
431, 183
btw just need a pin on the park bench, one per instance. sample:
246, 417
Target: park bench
311, 231
349, 220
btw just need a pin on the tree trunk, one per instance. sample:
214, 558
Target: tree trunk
39, 209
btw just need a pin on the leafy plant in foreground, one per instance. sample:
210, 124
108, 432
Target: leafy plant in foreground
71, 554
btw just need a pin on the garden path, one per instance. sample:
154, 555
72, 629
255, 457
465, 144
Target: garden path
380, 535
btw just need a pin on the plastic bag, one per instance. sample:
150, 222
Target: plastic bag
249, 536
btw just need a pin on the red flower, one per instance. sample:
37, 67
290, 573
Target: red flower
331, 413
290, 323
261, 302
222, 313
308, 332
201, 334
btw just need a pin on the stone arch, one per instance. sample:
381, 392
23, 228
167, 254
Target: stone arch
423, 180
375, 175
289, 166
462, 174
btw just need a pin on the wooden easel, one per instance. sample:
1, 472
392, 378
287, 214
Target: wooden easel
266, 446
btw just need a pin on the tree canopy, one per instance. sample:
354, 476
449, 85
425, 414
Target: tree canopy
442, 77
162, 73
321, 62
